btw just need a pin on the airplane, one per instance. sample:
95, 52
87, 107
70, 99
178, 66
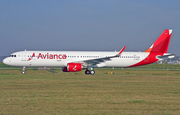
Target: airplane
74, 61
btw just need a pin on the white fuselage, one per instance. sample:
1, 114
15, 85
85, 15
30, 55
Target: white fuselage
62, 58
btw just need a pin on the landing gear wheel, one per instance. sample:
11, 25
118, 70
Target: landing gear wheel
87, 72
92, 72
24, 69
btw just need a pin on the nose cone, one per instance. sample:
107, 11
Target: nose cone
6, 61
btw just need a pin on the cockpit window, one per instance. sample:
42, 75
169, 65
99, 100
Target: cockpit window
12, 55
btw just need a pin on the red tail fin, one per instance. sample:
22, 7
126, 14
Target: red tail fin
160, 46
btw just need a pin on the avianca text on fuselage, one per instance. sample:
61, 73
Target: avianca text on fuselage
49, 56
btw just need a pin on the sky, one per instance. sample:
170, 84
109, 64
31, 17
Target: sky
92, 25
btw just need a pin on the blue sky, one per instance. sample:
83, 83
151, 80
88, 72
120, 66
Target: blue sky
93, 25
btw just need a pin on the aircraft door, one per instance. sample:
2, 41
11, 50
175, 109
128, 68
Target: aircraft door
23, 56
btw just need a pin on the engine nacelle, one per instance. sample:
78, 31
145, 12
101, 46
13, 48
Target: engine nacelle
72, 67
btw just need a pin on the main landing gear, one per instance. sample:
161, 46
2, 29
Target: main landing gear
23, 70
92, 72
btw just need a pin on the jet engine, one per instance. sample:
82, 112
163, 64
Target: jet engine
72, 67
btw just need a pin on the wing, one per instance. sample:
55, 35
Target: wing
92, 62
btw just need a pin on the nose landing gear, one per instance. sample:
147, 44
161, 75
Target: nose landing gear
23, 70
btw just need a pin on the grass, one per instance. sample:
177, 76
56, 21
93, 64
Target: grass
124, 92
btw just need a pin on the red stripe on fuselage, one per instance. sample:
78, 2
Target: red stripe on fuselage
151, 58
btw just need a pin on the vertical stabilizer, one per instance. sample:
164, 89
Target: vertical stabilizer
160, 46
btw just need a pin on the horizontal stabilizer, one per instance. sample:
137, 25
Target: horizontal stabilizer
168, 56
